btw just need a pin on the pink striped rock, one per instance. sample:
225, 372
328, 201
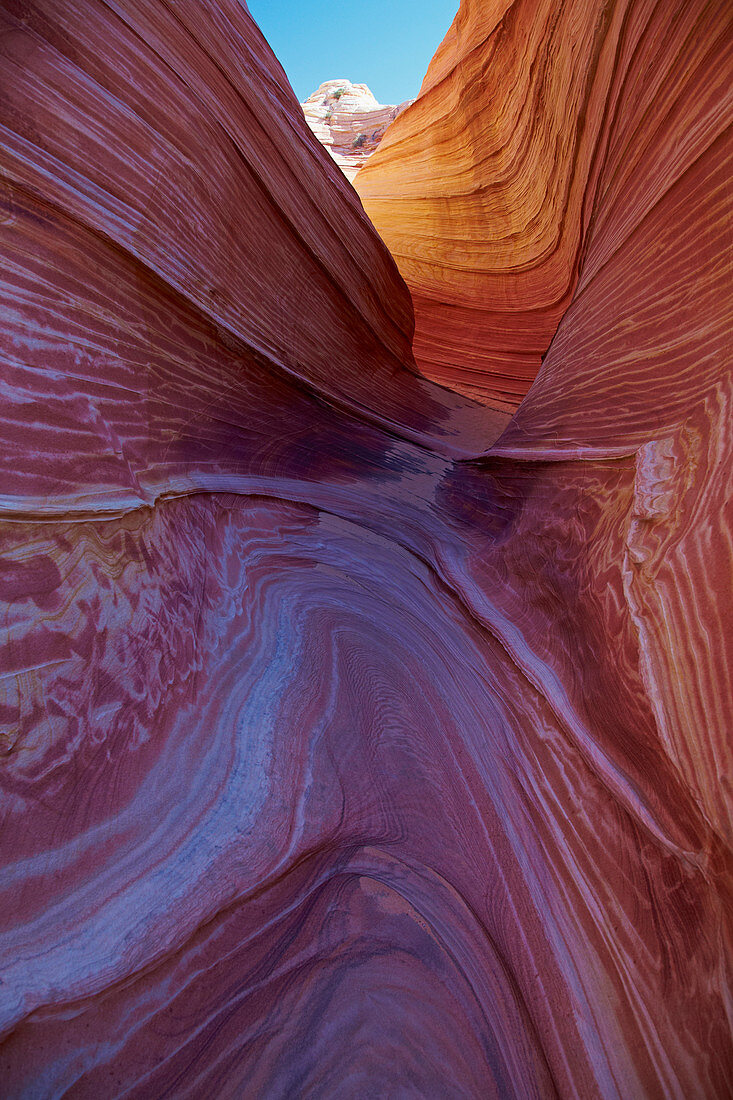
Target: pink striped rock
358, 739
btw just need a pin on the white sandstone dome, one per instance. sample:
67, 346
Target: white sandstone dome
349, 121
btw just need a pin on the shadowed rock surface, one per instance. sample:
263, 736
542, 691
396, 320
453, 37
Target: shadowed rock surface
357, 739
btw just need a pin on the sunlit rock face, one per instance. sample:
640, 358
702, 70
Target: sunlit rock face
357, 740
485, 189
349, 122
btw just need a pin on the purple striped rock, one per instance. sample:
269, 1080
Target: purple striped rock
358, 740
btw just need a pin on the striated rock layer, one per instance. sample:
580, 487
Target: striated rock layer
358, 740
349, 122
486, 189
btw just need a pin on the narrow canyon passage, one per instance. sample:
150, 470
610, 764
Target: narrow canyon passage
366, 703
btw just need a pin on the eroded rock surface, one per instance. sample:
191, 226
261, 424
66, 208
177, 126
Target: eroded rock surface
349, 122
487, 188
357, 739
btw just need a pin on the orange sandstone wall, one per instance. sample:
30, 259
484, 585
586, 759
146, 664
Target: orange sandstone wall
486, 187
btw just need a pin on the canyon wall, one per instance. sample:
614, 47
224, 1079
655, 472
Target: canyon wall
357, 739
486, 189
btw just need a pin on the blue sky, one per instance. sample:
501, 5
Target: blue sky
386, 44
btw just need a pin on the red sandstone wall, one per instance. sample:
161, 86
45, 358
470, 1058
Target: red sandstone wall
349, 749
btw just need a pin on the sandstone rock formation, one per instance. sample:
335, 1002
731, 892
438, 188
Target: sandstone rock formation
349, 122
358, 740
485, 189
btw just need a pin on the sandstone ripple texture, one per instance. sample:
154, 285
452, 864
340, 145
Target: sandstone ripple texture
364, 734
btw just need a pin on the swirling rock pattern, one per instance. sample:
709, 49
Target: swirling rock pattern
487, 187
349, 122
358, 740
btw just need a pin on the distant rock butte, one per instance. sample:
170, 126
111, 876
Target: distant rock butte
347, 119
